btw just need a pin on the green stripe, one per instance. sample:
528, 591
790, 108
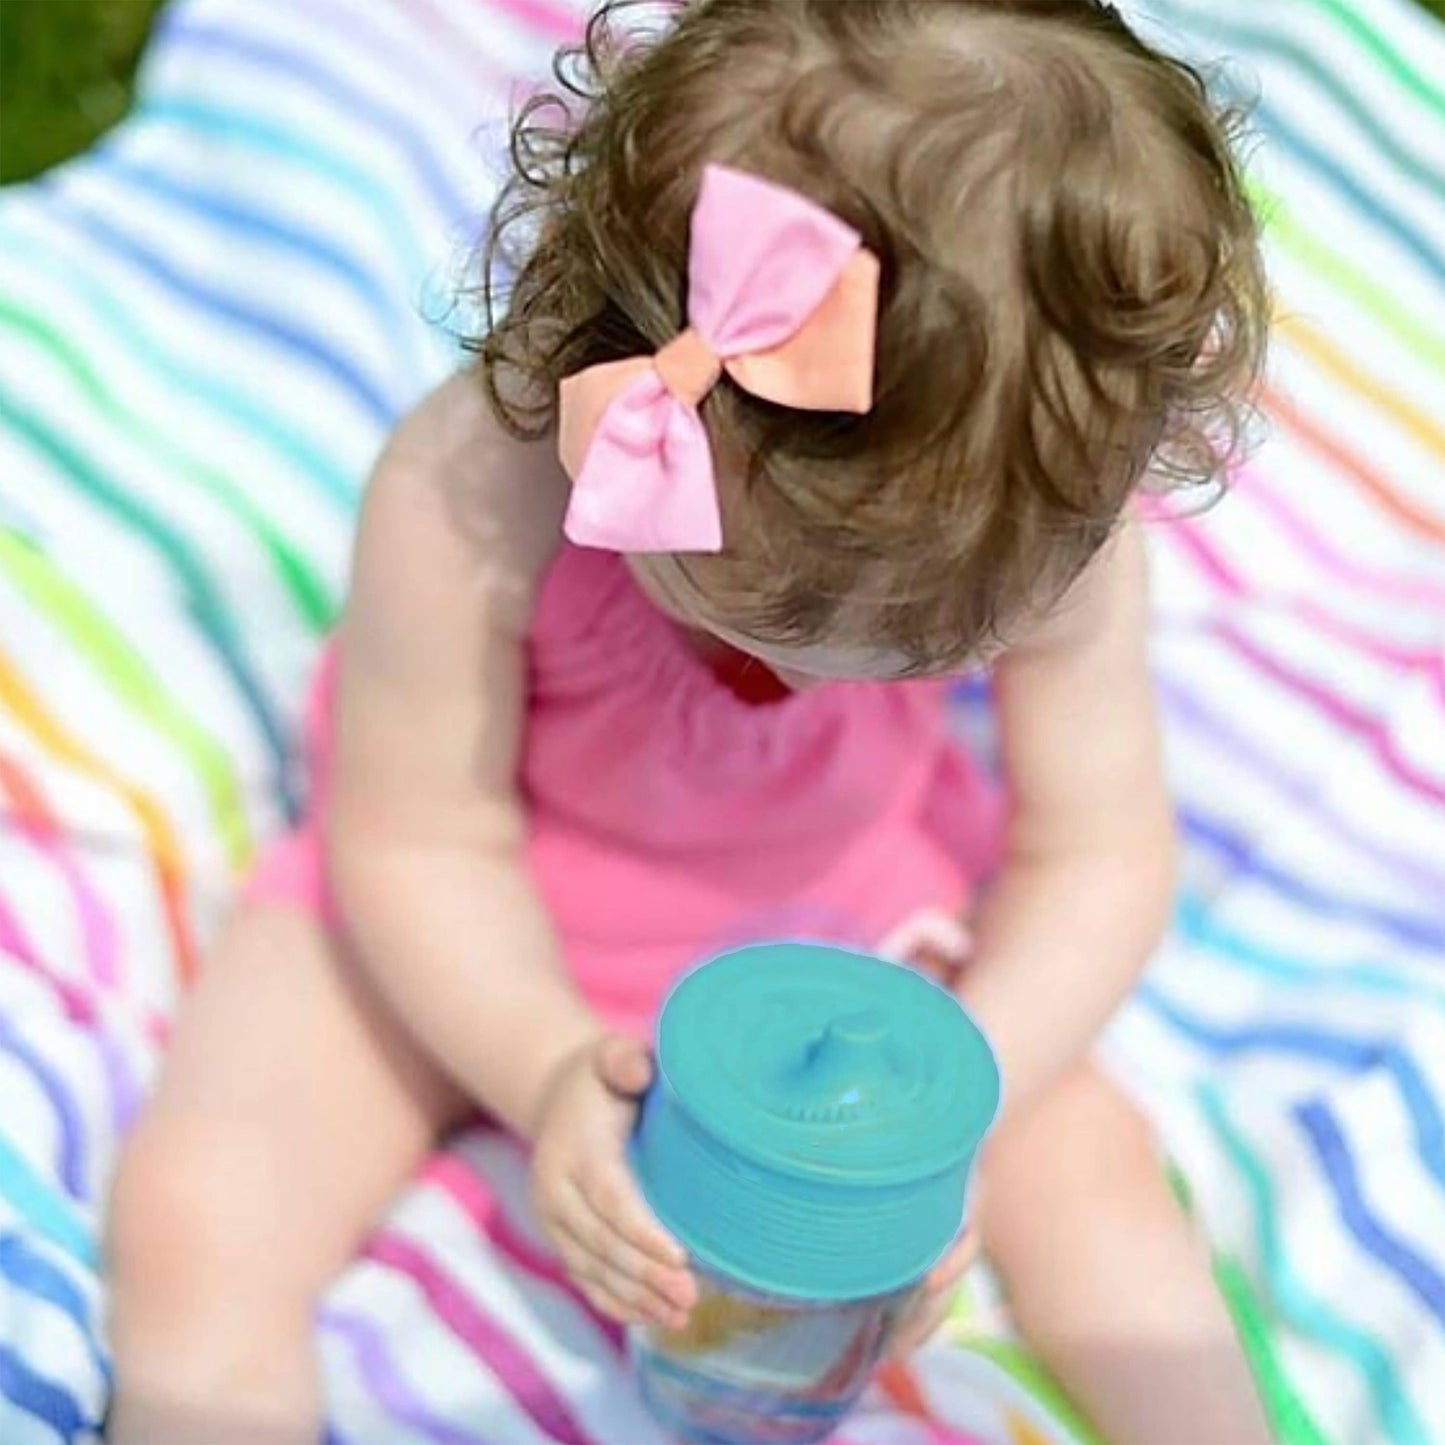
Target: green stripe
1290, 1422
196, 587
133, 683
1302, 1311
302, 583
78, 268
1027, 1373
1250, 39
1425, 341
1399, 69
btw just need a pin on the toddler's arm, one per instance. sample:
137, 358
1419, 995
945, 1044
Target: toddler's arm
1088, 878
425, 830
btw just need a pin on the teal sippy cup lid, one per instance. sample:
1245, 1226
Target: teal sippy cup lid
814, 1120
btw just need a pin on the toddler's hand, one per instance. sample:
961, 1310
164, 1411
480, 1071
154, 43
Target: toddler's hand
935, 1299
589, 1204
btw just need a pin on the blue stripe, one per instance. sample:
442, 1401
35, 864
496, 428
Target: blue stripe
1303, 1311
1372, 208
42, 1398
1339, 1050
217, 390
29, 1271
180, 29
1417, 932
1422, 1279
1196, 924
381, 410
381, 302
46, 1212
196, 116
1291, 49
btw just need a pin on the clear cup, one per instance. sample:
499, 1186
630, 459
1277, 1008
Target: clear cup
754, 1369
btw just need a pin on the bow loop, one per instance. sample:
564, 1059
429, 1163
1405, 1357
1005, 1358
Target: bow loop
781, 295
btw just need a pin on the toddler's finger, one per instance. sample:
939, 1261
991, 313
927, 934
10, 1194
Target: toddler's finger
626, 1265
625, 1066
614, 1196
612, 1261
630, 1305
955, 1264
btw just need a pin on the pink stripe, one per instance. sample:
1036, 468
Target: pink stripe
486, 1339
1338, 711
1266, 496
1186, 537
1428, 662
557, 22
98, 939
470, 1194
97, 929
33, 819
15, 941
467, 60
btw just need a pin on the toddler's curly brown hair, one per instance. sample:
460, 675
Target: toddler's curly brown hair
1072, 297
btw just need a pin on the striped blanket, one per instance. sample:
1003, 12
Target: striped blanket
207, 326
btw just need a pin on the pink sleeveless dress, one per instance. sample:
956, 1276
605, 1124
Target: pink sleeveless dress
671, 818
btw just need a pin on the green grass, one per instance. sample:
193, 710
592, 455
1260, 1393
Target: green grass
66, 69
65, 74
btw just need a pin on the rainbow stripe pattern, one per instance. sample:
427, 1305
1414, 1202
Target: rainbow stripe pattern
207, 326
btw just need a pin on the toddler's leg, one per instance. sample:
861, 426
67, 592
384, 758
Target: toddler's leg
1106, 1278
290, 1110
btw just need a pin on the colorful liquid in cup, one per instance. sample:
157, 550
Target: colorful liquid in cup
809, 1141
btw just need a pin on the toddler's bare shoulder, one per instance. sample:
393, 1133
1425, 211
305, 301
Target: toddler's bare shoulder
451, 467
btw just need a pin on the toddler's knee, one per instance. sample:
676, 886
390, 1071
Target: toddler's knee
1084, 1135
189, 1226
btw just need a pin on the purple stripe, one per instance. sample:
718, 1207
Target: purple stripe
483, 1336
1183, 706
123, 1091
70, 1163
1338, 711
387, 1384
1241, 854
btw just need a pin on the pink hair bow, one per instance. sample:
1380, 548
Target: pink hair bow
784, 298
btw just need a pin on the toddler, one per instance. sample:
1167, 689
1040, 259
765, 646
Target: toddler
837, 339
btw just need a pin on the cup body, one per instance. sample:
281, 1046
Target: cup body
807, 1140
758, 1369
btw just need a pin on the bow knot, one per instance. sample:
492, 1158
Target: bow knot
688, 366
